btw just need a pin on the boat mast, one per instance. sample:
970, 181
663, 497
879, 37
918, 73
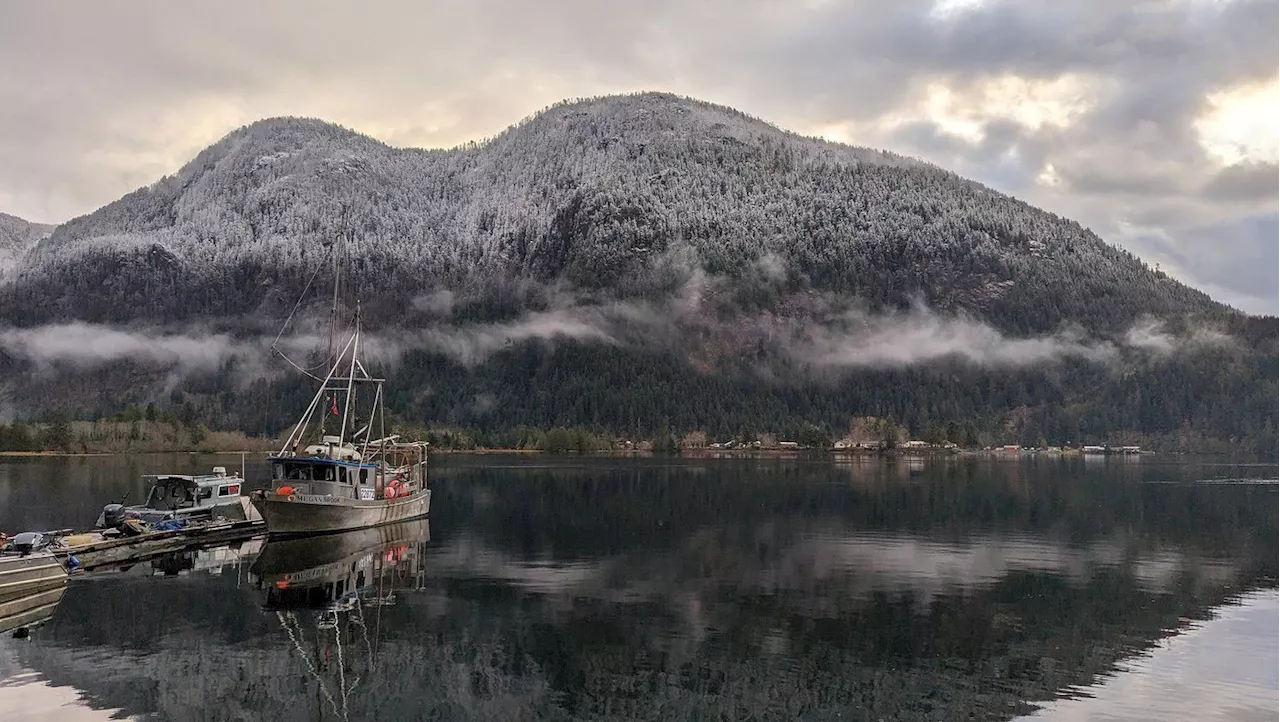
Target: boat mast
333, 317
333, 309
351, 378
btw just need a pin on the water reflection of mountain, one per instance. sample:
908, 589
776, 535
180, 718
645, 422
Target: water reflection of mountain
696, 595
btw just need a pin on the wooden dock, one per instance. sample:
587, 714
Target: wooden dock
122, 549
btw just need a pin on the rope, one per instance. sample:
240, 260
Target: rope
289, 318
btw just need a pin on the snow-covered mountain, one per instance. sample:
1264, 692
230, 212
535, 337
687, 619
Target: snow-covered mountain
18, 236
625, 196
695, 267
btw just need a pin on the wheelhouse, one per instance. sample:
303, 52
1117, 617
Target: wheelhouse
340, 470
177, 492
315, 469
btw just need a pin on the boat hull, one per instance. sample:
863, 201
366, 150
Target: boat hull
300, 516
31, 608
24, 575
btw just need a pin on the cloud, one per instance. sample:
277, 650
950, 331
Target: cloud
922, 337
1247, 180
438, 303
476, 343
1153, 336
1100, 111
804, 335
84, 345
810, 332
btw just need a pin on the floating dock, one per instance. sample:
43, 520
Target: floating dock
96, 549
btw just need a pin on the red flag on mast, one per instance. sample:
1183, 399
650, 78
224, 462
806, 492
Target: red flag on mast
334, 400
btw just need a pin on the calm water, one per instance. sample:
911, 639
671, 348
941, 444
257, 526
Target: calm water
682, 590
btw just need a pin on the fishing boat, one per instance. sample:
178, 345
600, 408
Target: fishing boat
335, 479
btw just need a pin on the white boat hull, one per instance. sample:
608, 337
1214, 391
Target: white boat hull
307, 514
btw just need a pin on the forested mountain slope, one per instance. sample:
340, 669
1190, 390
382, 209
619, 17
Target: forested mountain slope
693, 267
17, 237
628, 195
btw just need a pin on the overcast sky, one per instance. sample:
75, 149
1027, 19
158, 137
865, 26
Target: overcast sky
1153, 123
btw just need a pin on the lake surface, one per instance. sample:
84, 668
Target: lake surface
650, 589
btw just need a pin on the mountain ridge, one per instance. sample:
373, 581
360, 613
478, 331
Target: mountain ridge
628, 262
17, 237
590, 193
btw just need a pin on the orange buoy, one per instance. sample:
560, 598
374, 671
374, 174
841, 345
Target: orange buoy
285, 490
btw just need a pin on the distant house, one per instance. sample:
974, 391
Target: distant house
843, 444
788, 444
1094, 450
1129, 449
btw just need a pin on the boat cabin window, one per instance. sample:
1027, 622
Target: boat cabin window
204, 492
364, 477
171, 494
309, 472
229, 490
277, 471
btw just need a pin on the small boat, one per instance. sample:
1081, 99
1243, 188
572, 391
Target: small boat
32, 579
345, 478
179, 497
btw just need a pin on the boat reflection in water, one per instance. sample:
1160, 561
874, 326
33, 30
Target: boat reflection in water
328, 593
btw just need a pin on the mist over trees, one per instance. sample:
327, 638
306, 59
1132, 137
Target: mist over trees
747, 238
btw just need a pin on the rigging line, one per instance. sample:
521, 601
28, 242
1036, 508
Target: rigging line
305, 372
296, 305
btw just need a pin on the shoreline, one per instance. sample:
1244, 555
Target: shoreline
834, 454
205, 452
